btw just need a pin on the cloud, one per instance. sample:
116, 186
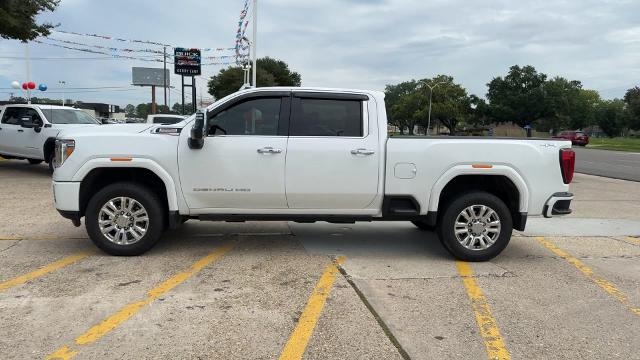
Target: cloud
358, 43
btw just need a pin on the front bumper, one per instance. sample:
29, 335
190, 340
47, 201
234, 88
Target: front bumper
558, 204
66, 197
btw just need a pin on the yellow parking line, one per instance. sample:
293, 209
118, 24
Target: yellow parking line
634, 239
14, 238
295, 347
113, 321
493, 342
607, 286
44, 270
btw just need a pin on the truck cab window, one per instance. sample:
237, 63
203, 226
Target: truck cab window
327, 117
31, 113
11, 116
251, 117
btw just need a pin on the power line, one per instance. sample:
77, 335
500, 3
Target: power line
58, 58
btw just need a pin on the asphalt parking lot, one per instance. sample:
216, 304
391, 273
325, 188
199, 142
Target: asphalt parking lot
565, 288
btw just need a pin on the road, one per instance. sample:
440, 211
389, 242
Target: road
566, 288
613, 164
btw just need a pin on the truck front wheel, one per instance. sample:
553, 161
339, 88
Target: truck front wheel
475, 226
125, 219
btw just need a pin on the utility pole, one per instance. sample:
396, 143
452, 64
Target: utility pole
164, 75
430, 95
254, 43
28, 63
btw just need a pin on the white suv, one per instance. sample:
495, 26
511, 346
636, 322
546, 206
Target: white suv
29, 131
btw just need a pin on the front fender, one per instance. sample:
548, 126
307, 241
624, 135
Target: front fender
469, 169
148, 164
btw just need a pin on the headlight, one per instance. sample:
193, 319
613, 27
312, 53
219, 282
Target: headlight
64, 149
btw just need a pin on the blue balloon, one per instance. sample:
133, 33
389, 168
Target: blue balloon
42, 87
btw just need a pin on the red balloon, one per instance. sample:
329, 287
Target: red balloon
24, 86
31, 85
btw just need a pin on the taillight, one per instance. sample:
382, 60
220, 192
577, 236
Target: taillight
567, 164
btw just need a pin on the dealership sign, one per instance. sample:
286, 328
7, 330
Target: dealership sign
187, 62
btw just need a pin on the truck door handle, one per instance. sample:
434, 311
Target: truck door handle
362, 151
269, 150
20, 130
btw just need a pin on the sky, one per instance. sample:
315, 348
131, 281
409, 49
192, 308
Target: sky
363, 44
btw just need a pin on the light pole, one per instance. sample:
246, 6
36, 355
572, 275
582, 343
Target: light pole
430, 95
62, 83
255, 43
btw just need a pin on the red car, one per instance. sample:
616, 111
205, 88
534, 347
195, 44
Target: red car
576, 137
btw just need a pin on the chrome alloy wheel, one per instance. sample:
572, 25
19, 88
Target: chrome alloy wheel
477, 227
123, 220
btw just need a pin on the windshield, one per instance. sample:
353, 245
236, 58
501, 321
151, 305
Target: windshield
69, 116
167, 120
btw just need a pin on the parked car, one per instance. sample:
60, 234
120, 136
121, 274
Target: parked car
306, 155
575, 136
29, 131
164, 119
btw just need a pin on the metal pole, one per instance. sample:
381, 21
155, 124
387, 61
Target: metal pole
153, 99
193, 94
430, 95
182, 113
28, 63
164, 75
254, 42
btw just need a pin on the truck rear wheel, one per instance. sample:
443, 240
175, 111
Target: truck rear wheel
125, 219
475, 226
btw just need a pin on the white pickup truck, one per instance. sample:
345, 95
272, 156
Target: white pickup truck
305, 154
28, 131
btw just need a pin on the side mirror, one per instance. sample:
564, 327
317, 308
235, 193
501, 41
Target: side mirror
27, 122
196, 140
31, 123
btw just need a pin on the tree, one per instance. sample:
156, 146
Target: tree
18, 18
568, 105
611, 117
271, 72
142, 110
177, 108
632, 102
450, 103
408, 103
479, 112
130, 111
397, 113
519, 97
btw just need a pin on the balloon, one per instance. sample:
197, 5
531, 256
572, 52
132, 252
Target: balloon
31, 85
24, 86
15, 85
42, 87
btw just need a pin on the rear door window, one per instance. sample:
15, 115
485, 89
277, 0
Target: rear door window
327, 117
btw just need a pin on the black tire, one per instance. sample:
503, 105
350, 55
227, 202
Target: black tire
152, 204
446, 226
50, 162
422, 225
34, 161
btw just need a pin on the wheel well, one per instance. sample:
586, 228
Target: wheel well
49, 147
97, 179
498, 185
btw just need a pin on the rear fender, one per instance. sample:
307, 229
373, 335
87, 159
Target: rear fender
489, 170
